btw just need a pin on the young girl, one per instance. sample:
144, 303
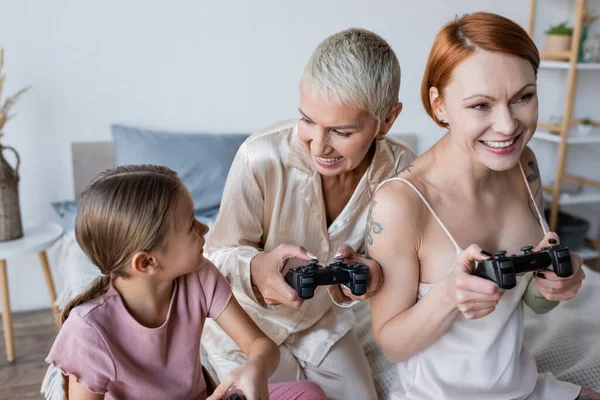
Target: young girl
135, 332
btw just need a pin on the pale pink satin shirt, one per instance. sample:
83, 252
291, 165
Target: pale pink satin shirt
272, 196
110, 353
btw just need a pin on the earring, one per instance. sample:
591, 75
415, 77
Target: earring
381, 136
442, 120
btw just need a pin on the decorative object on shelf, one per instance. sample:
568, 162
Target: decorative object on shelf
588, 19
555, 119
570, 229
591, 49
567, 133
10, 212
585, 127
569, 188
558, 37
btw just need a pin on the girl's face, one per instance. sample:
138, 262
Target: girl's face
183, 249
337, 137
491, 107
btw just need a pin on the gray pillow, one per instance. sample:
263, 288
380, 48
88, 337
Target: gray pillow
67, 212
202, 160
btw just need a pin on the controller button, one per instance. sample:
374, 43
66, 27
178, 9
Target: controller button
360, 289
306, 292
563, 253
509, 281
526, 249
307, 280
506, 266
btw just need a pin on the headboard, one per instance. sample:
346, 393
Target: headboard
90, 158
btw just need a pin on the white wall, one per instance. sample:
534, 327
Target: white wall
191, 65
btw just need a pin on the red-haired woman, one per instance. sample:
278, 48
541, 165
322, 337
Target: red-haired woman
455, 335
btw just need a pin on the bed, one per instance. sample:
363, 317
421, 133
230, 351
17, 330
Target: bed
566, 341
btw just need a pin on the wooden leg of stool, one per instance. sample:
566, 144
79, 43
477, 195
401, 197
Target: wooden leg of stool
6, 313
49, 282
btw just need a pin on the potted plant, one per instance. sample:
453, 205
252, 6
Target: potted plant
558, 37
585, 127
10, 213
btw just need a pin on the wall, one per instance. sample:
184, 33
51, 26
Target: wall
192, 65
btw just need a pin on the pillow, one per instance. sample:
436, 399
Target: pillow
202, 160
67, 212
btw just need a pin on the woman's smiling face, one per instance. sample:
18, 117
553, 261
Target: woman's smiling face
491, 107
336, 136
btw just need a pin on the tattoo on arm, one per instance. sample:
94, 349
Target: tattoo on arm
405, 169
586, 394
585, 397
372, 228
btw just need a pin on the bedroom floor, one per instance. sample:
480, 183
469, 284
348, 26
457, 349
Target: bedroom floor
34, 334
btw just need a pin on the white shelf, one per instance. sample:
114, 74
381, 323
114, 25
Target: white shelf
572, 199
565, 65
587, 254
572, 139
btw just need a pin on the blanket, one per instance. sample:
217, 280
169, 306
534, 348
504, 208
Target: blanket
566, 341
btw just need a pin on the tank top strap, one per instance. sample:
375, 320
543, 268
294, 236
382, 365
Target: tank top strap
541, 219
437, 218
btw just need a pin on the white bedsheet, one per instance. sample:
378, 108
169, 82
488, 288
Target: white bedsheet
566, 341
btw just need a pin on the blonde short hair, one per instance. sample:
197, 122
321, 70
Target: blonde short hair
356, 68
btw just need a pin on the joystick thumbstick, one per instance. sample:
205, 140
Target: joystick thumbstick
314, 261
338, 260
499, 253
527, 249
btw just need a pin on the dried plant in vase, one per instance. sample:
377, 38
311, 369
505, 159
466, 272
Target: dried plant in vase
10, 213
587, 19
589, 16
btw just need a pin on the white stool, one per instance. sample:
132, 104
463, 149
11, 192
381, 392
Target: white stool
35, 239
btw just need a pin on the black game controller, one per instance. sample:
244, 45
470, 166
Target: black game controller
503, 270
304, 279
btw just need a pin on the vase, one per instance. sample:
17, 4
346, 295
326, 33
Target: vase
584, 130
558, 43
10, 213
584, 35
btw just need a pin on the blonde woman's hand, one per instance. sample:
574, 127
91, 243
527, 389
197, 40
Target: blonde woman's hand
265, 270
550, 285
475, 297
249, 378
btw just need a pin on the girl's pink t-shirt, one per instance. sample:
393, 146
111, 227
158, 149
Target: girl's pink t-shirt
109, 352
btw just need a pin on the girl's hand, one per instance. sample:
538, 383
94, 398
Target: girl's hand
249, 378
474, 296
